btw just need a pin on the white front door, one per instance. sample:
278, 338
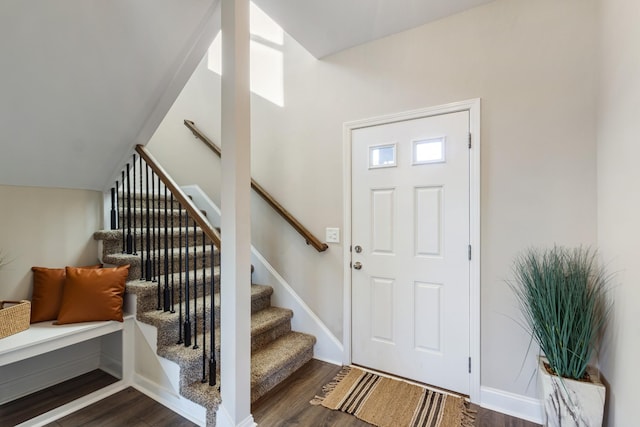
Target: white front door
410, 249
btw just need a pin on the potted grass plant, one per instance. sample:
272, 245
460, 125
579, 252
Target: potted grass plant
563, 294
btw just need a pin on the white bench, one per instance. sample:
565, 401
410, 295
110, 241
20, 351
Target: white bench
44, 337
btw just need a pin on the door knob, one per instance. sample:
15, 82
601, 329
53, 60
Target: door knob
357, 265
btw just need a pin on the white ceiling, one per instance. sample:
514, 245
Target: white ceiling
329, 26
83, 81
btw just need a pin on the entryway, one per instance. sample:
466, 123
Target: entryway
414, 286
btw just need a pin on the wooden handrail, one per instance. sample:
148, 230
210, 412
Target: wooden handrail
309, 237
177, 192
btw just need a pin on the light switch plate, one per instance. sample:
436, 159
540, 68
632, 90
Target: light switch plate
332, 235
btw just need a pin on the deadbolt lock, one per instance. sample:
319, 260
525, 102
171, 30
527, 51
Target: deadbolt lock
358, 249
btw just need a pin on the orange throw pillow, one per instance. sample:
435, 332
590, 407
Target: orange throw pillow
48, 284
91, 295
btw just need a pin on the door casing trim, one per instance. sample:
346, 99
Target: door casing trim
473, 107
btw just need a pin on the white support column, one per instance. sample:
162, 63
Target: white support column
235, 222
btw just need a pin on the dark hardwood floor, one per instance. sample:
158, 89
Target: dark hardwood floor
38, 403
286, 405
126, 408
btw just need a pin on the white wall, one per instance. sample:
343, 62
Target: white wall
532, 63
619, 200
181, 154
46, 227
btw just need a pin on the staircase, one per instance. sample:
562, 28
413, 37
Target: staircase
276, 350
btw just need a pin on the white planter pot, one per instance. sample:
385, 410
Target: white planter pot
569, 403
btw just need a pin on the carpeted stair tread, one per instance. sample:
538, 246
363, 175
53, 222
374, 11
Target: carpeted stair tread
261, 322
277, 360
181, 354
203, 394
147, 291
116, 235
119, 258
148, 311
135, 262
141, 285
269, 318
141, 198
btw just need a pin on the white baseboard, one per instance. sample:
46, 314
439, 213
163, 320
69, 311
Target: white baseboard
195, 413
76, 405
328, 348
511, 404
36, 373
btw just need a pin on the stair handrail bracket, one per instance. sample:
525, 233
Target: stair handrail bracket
309, 237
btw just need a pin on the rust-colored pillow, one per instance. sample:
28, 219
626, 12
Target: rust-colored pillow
48, 284
90, 295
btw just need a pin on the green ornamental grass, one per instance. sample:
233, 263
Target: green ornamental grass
563, 296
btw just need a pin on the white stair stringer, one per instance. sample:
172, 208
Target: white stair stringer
158, 377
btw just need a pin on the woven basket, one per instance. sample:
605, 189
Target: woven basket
14, 317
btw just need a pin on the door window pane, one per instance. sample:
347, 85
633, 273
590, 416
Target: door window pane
428, 151
382, 156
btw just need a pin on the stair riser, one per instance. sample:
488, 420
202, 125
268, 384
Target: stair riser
150, 304
170, 328
157, 217
259, 341
114, 245
147, 299
175, 264
259, 390
140, 200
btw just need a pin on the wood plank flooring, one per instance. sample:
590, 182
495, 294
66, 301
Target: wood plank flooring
286, 405
38, 403
126, 408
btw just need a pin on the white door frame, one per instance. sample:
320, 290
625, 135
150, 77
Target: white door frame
473, 107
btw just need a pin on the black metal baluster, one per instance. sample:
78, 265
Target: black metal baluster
173, 263
114, 221
204, 309
155, 241
180, 341
195, 287
167, 302
129, 239
147, 266
187, 318
142, 233
212, 323
135, 252
159, 227
121, 215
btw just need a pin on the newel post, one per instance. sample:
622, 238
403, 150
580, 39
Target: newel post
235, 221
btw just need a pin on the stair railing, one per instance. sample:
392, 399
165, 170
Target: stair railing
308, 236
146, 188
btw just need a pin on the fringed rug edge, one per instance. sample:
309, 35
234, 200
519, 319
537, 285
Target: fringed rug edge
329, 387
468, 415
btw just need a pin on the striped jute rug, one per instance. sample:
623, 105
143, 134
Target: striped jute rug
388, 402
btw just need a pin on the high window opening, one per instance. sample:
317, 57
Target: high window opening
267, 69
